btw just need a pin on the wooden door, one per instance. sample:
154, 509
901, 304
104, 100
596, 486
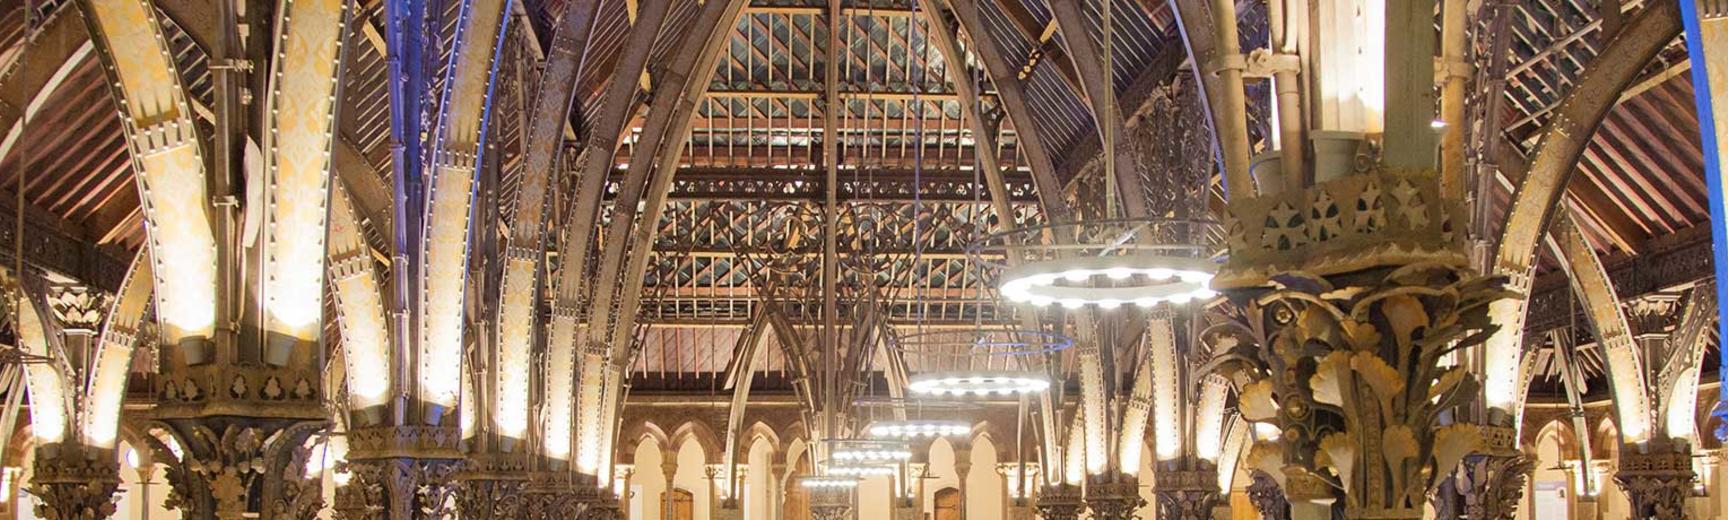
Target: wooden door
681, 505
948, 504
795, 501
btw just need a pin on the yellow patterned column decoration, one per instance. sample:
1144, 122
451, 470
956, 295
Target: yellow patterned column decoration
171, 182
302, 114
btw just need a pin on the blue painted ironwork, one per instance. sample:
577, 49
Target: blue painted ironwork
1690, 12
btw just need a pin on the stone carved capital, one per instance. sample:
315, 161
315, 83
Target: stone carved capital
397, 488
1059, 502
1658, 482
1268, 498
252, 467
1186, 494
74, 482
1492, 485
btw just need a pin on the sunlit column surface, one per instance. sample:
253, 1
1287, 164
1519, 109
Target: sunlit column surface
46, 385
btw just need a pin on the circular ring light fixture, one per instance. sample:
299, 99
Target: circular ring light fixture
831, 483
1104, 263
979, 383
1141, 279
861, 470
869, 452
916, 428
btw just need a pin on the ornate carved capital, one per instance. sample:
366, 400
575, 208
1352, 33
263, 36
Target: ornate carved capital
397, 489
1186, 494
74, 482
253, 467
1657, 482
1060, 502
1348, 367
1268, 498
1493, 484
1116, 499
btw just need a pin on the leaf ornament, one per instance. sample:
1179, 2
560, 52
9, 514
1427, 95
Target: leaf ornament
1385, 380
1256, 403
1317, 323
1360, 335
1405, 314
1268, 457
1329, 378
1445, 383
1398, 446
1451, 444
1338, 451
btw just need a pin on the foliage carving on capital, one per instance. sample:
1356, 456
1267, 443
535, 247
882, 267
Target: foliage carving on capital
1350, 369
74, 484
1657, 478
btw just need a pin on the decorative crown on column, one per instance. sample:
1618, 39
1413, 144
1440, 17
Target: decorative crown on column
1374, 219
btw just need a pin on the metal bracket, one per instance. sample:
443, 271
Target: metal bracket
1263, 63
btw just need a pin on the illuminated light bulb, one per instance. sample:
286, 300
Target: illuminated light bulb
1205, 294
1181, 298
1194, 276
1159, 273
1073, 303
1109, 304
1077, 275
1038, 301
1437, 124
1118, 273
1146, 302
